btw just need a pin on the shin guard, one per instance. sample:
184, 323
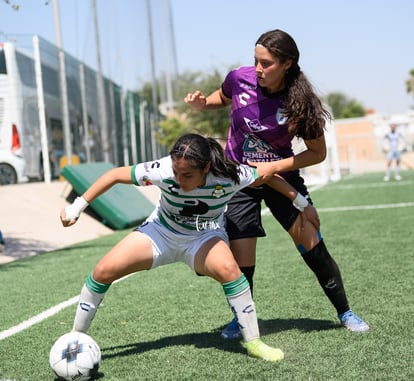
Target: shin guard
326, 270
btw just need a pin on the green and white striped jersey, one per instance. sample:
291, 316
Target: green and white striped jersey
191, 212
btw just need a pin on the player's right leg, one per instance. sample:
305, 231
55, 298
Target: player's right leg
90, 298
133, 253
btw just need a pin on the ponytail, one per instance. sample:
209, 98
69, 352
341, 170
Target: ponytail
304, 110
221, 165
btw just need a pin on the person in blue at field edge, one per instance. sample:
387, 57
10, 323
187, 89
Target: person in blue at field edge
196, 181
271, 103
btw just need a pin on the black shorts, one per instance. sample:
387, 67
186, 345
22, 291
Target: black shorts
243, 215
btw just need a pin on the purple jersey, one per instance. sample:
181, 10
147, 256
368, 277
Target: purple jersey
258, 129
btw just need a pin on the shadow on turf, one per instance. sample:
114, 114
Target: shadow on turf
213, 339
98, 376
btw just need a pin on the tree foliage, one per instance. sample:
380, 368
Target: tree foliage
343, 107
409, 83
209, 123
184, 119
170, 130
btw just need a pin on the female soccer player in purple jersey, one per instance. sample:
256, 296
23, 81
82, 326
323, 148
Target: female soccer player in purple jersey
271, 103
196, 181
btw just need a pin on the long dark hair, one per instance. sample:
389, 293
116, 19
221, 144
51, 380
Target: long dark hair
203, 150
304, 110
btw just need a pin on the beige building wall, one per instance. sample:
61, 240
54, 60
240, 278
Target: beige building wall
360, 146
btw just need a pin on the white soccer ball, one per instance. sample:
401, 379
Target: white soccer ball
75, 356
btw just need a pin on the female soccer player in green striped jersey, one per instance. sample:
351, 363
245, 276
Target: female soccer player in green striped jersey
196, 181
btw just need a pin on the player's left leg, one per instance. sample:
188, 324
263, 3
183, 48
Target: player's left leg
397, 175
216, 260
315, 254
241, 303
243, 226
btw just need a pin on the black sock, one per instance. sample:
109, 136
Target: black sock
248, 273
326, 270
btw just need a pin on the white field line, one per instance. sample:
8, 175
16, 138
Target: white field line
266, 211
376, 185
43, 316
366, 207
38, 318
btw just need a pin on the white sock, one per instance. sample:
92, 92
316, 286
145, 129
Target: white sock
89, 302
241, 302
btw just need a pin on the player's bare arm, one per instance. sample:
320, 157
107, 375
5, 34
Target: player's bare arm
198, 101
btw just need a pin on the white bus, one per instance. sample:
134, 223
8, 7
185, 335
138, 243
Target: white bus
12, 163
21, 156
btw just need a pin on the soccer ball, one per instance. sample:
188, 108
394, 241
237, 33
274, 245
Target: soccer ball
75, 356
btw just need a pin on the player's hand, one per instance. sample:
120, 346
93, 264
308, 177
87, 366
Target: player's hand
66, 220
310, 214
264, 171
196, 100
71, 213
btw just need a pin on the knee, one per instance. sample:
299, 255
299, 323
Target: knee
103, 274
229, 271
319, 259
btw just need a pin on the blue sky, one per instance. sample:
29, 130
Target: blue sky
362, 48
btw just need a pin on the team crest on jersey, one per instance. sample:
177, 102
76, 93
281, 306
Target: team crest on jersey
258, 150
218, 191
280, 116
145, 180
254, 125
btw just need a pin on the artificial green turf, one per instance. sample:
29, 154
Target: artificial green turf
165, 324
